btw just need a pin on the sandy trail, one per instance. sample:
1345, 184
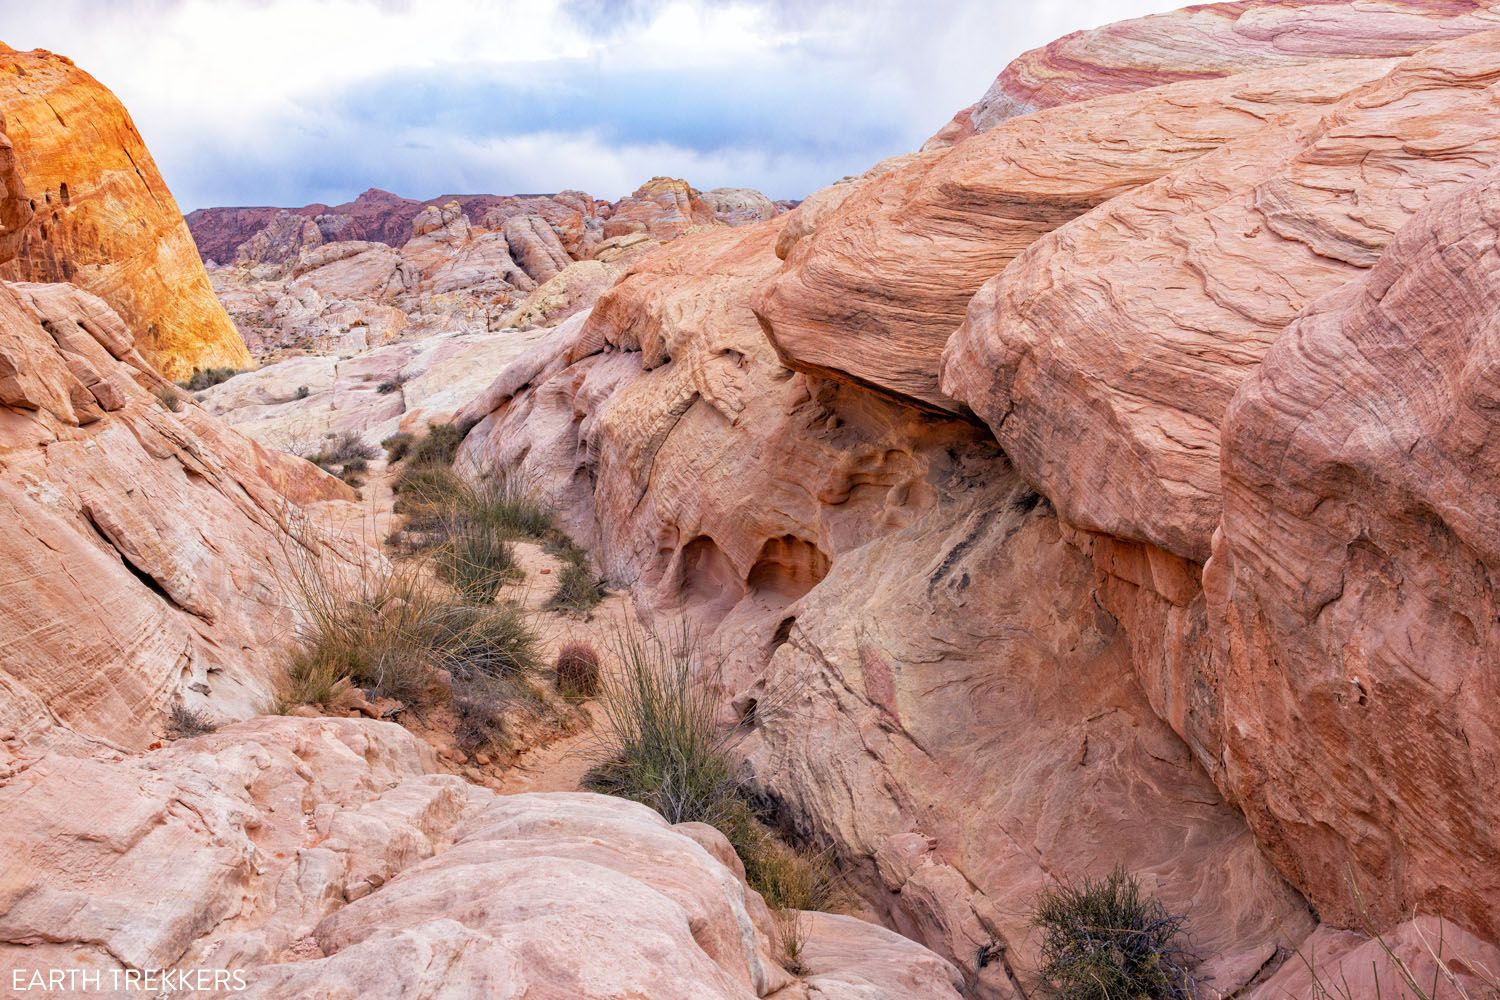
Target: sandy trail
550, 761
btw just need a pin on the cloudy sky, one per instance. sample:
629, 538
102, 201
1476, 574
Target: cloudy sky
286, 102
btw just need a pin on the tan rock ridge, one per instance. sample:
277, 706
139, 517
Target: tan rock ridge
103, 218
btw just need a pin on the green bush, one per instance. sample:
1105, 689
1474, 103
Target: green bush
1103, 939
477, 556
578, 590
437, 447
662, 744
389, 627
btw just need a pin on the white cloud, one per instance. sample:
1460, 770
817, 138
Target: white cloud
244, 100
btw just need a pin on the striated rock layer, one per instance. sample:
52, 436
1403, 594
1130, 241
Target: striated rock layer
1219, 607
1212, 40
1353, 585
943, 703
872, 291
325, 858
146, 549
103, 218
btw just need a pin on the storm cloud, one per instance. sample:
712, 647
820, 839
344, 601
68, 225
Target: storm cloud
281, 102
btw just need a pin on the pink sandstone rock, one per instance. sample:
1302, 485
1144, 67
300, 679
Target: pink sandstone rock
323, 857
1212, 40
145, 548
924, 638
663, 208
1104, 357
1352, 588
872, 294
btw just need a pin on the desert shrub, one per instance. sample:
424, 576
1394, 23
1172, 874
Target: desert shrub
663, 745
387, 387
302, 392
185, 722
397, 445
437, 447
578, 590
207, 378
476, 558
345, 447
480, 705
388, 627
315, 674
169, 398
507, 501
1103, 939
578, 675
497, 641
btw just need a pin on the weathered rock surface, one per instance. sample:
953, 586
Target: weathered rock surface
145, 549
1353, 583
740, 206
875, 286
1213, 40
322, 857
970, 678
225, 235
1130, 329
402, 386
662, 208
306, 283
103, 218
889, 566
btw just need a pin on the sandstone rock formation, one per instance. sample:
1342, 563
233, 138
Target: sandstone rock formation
663, 208
1212, 40
306, 281
1352, 586
146, 548
867, 564
873, 289
1218, 608
1164, 299
103, 218
227, 235
323, 857
406, 385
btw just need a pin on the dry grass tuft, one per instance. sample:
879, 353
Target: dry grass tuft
185, 723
